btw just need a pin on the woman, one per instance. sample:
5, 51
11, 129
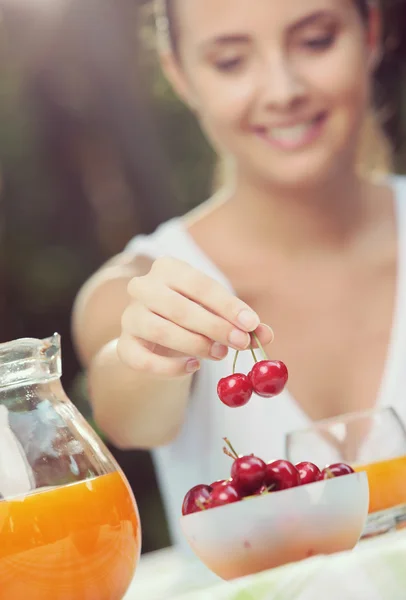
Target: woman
297, 238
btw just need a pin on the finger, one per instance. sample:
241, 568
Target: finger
205, 290
142, 323
265, 335
136, 356
193, 317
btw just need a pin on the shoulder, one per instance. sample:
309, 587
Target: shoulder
135, 259
174, 237
159, 242
399, 182
100, 303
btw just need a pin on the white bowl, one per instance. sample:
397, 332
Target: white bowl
268, 531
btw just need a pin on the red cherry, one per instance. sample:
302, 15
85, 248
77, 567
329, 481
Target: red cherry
308, 472
235, 390
196, 499
336, 470
281, 475
220, 482
248, 473
268, 378
222, 495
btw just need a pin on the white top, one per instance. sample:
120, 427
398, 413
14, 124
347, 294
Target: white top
261, 426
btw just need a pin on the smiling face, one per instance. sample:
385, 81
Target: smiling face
281, 86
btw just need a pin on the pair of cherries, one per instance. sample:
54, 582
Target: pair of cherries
251, 476
267, 379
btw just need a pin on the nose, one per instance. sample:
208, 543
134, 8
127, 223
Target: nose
282, 85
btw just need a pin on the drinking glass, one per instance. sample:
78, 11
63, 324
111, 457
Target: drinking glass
372, 441
69, 524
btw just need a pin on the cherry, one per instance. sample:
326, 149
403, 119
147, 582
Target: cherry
235, 390
336, 470
220, 482
196, 499
308, 472
248, 473
268, 378
281, 475
222, 495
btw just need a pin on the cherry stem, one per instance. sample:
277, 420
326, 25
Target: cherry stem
253, 354
233, 452
228, 453
235, 360
260, 346
265, 492
329, 473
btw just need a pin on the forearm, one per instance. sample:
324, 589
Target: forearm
133, 409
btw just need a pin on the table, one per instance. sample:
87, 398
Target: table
375, 570
166, 574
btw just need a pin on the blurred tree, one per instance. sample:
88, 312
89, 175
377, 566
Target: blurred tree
79, 157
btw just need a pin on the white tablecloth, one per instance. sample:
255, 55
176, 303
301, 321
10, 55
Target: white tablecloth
375, 565
166, 574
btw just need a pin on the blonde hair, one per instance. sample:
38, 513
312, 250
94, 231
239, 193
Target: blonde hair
164, 25
375, 153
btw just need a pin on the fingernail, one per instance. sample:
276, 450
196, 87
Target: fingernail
271, 331
218, 350
239, 339
192, 365
248, 319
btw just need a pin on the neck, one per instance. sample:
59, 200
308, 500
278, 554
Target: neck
298, 220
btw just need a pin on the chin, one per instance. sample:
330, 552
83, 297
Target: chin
309, 169
302, 176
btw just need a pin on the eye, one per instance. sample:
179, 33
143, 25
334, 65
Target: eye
229, 65
320, 43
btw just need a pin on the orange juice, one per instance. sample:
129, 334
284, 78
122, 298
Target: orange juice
80, 541
387, 483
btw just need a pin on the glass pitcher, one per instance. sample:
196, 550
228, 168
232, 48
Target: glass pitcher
69, 524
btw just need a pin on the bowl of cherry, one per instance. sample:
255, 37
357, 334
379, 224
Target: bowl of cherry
269, 514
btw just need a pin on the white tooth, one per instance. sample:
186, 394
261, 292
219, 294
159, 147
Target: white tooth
290, 134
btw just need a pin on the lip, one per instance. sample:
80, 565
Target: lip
302, 133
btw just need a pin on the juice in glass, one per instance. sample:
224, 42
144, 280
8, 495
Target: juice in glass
387, 483
80, 541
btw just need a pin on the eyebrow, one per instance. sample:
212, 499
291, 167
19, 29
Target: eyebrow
224, 40
311, 19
